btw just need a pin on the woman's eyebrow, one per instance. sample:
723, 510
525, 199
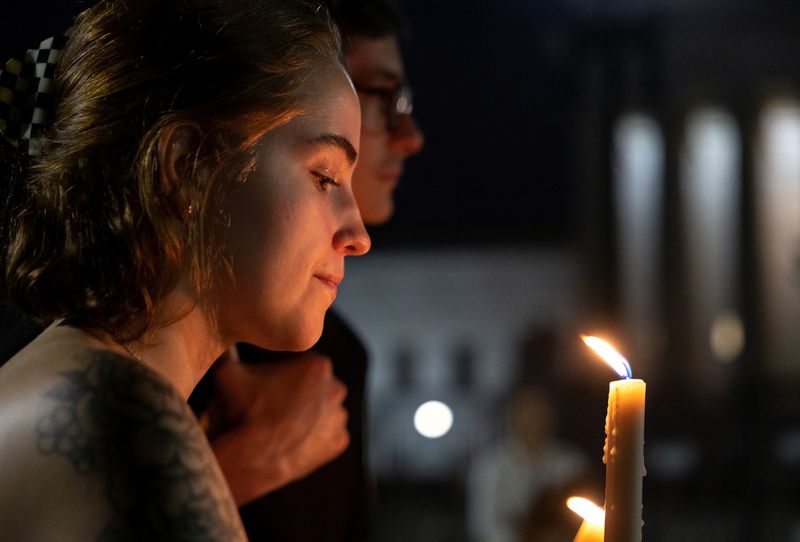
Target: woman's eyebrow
336, 140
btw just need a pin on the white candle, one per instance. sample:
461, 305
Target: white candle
623, 455
623, 452
593, 518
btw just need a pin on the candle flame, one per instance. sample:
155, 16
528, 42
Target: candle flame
587, 510
614, 359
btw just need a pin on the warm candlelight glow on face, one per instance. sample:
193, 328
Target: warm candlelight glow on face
607, 352
586, 509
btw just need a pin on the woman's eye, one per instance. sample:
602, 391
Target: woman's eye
324, 182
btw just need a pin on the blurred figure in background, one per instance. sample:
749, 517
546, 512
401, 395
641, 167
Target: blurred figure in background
526, 473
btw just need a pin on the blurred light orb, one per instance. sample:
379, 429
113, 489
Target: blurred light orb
433, 419
727, 336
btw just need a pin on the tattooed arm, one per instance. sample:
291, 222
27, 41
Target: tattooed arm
127, 445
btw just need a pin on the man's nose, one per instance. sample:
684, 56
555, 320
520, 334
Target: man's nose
406, 136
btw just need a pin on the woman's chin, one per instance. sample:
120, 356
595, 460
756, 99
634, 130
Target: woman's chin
286, 335
301, 340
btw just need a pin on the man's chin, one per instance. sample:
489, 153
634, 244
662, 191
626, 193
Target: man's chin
378, 213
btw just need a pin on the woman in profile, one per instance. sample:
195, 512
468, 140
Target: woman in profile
192, 192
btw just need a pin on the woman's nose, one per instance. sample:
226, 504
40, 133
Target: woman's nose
352, 239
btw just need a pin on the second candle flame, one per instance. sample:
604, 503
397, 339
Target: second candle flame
609, 354
587, 510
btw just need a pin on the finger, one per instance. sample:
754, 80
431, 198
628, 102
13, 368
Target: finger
341, 438
334, 437
342, 417
341, 443
338, 392
309, 364
322, 367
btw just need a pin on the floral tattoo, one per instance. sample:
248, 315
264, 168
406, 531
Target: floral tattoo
116, 418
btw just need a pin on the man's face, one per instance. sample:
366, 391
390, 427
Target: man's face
376, 67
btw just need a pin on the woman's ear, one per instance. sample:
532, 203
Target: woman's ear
178, 149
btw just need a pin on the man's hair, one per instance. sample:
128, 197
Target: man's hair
93, 236
368, 18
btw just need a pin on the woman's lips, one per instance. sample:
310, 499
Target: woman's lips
332, 281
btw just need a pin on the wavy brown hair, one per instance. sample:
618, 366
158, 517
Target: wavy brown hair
93, 237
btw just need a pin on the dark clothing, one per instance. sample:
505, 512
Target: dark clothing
329, 505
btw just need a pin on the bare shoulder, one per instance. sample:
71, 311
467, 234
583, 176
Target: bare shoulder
116, 450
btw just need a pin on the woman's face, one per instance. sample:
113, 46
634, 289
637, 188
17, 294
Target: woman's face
293, 221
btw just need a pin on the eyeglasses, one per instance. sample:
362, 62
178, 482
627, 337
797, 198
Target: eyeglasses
394, 102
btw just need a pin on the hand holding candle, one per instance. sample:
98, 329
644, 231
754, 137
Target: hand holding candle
623, 452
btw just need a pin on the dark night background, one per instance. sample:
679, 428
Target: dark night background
518, 100
497, 89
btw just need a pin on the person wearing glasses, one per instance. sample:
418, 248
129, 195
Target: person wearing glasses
389, 132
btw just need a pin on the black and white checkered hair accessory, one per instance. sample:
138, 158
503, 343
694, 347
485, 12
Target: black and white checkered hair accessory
26, 95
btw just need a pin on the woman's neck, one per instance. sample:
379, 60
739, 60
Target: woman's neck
181, 352
182, 346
